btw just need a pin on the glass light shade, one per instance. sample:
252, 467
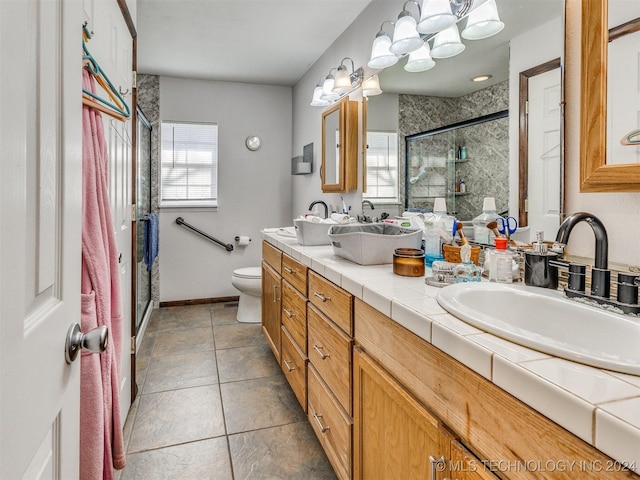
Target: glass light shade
371, 86
327, 87
436, 16
317, 100
342, 82
447, 43
381, 56
420, 60
483, 22
405, 35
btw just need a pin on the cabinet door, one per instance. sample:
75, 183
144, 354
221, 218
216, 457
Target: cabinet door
466, 466
394, 436
271, 305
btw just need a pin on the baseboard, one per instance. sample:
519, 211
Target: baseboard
199, 301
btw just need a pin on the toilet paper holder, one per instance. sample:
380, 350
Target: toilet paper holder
243, 240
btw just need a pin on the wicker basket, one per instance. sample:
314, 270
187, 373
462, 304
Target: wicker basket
451, 253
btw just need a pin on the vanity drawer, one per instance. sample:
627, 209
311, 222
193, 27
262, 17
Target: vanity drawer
329, 350
294, 366
332, 425
331, 300
295, 273
272, 256
294, 314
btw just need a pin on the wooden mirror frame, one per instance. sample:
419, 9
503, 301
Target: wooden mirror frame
595, 174
348, 168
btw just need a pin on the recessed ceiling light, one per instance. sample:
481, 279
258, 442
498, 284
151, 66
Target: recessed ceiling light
481, 78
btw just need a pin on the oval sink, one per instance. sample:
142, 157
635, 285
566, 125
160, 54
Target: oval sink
546, 321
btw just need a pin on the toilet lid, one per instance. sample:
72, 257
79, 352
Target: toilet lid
249, 272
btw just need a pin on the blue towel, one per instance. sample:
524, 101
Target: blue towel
150, 248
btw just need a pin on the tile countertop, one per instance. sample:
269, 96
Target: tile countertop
599, 406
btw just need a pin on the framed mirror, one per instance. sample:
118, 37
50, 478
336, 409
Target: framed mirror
339, 146
597, 172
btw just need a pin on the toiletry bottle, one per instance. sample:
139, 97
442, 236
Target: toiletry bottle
437, 226
463, 153
463, 186
481, 234
501, 263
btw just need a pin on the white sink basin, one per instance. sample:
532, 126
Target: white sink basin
312, 233
546, 321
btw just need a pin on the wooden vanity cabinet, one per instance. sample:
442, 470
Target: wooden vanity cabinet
293, 317
481, 420
271, 307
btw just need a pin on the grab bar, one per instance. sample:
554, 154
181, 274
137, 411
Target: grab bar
227, 246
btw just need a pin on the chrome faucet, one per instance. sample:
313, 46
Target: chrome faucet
326, 209
600, 275
368, 202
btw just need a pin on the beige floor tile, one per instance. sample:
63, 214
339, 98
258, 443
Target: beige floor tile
289, 452
245, 363
172, 372
177, 416
259, 403
146, 348
203, 460
238, 335
225, 315
175, 318
183, 341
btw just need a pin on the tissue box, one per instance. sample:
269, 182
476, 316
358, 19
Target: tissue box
372, 243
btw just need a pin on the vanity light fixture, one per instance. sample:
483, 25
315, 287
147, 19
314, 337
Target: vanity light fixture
381, 56
371, 86
317, 100
406, 38
436, 16
327, 88
420, 60
344, 81
447, 43
483, 22
481, 78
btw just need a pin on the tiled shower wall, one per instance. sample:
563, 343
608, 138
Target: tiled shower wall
149, 102
487, 171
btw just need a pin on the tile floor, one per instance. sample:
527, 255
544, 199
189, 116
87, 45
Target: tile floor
214, 404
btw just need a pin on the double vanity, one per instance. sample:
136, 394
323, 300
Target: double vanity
395, 386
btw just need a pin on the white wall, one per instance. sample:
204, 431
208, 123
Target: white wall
254, 188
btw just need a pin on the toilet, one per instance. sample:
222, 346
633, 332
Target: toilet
249, 282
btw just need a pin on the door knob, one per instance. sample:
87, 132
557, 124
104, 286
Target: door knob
95, 341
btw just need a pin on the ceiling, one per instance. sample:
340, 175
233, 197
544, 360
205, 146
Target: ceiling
275, 42
271, 42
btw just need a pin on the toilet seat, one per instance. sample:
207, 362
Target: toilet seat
248, 272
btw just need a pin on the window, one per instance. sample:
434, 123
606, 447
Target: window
189, 161
382, 167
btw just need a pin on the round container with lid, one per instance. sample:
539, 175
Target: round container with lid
408, 262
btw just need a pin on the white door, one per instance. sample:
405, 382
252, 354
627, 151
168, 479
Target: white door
40, 236
111, 46
544, 152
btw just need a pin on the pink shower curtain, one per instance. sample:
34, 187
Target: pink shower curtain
101, 440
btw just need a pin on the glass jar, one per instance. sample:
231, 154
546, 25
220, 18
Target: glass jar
408, 262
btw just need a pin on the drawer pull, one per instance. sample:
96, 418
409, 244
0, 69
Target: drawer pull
288, 365
288, 313
290, 271
437, 465
275, 294
318, 348
322, 297
317, 417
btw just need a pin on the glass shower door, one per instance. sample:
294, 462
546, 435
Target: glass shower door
143, 208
